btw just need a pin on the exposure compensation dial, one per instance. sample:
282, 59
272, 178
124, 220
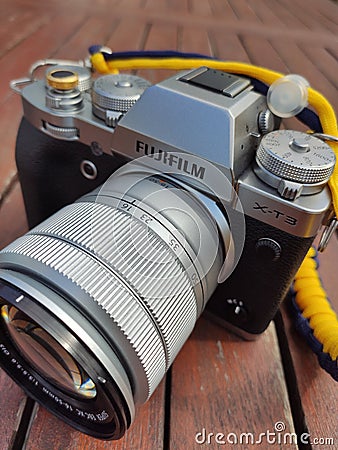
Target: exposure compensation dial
294, 163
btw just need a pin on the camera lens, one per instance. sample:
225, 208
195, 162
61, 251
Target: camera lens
46, 355
98, 300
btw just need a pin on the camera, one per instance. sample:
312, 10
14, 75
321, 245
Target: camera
147, 205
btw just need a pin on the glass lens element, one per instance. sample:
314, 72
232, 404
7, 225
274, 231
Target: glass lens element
46, 355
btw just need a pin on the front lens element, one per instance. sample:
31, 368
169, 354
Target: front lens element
46, 355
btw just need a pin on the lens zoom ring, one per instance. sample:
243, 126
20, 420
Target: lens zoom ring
140, 257
105, 289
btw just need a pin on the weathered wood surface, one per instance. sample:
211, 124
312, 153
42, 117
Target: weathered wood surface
218, 383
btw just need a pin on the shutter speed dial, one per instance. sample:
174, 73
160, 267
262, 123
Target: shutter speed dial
295, 163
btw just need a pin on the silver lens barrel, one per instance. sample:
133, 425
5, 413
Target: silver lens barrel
139, 259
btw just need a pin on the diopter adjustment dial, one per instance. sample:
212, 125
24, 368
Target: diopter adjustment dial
113, 95
294, 162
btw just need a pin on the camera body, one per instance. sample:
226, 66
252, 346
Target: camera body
66, 149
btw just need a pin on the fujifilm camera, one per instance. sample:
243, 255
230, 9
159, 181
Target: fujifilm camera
147, 205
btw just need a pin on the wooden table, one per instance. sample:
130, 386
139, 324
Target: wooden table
218, 383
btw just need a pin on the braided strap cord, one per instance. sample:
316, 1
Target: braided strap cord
314, 316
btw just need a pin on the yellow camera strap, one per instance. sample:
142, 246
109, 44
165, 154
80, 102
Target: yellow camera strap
315, 316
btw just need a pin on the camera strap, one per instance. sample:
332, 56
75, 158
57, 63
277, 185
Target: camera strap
315, 319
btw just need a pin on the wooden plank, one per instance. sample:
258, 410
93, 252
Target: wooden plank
92, 30
13, 219
162, 37
267, 13
227, 46
222, 384
223, 9
68, 7
244, 10
146, 433
192, 39
10, 113
16, 26
262, 53
327, 64
324, 12
155, 5
129, 34
328, 8
179, 6
311, 17
280, 13
12, 402
41, 44
200, 8
12, 398
333, 52
133, 4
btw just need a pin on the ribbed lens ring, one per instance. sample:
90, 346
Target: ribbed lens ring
139, 257
101, 286
155, 311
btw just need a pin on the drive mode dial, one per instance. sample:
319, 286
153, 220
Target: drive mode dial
113, 95
295, 163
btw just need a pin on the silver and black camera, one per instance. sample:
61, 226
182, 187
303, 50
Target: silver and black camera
156, 202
